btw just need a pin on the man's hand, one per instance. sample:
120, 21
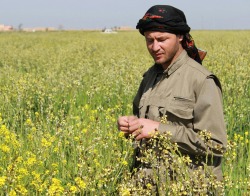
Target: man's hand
143, 128
123, 124
138, 127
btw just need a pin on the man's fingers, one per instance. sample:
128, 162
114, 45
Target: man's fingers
134, 127
131, 118
139, 137
123, 124
137, 132
133, 124
122, 128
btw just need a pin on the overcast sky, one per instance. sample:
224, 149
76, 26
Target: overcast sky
97, 14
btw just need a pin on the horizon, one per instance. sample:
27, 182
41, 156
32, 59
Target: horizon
83, 14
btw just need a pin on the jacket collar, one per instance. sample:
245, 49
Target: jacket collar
181, 59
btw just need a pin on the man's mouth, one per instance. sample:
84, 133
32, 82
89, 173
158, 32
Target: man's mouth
158, 56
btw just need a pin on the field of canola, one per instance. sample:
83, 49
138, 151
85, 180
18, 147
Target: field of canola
61, 94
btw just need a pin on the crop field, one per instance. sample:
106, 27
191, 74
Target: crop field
62, 92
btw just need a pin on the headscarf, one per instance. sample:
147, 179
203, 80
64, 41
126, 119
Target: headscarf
166, 18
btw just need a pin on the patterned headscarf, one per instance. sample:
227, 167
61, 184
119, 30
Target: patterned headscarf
166, 18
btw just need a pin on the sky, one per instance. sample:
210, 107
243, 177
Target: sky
99, 14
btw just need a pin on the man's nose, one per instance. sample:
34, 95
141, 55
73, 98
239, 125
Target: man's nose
155, 46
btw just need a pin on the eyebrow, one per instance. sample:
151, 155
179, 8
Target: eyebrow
160, 37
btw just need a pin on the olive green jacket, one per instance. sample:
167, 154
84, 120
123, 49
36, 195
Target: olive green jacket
190, 96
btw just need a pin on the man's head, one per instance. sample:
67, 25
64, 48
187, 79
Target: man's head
163, 18
164, 47
167, 20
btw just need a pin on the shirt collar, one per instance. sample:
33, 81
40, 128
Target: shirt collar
158, 69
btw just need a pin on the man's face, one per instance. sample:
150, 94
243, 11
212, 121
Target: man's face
164, 47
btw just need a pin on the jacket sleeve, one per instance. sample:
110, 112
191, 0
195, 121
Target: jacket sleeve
208, 135
137, 98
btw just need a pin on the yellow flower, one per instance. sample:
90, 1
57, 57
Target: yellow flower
45, 143
149, 186
125, 192
2, 180
5, 148
3, 129
22, 190
23, 171
56, 149
76, 139
55, 187
33, 129
12, 193
164, 119
124, 162
28, 122
80, 183
187, 159
84, 131
19, 159
96, 162
94, 111
37, 114
121, 134
73, 189
54, 165
64, 161
31, 161
92, 118
86, 107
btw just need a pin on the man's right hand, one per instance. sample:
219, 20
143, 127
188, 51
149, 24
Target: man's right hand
123, 124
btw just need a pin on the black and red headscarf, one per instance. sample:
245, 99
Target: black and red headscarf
166, 18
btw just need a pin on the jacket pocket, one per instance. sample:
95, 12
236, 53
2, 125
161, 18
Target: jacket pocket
153, 110
181, 107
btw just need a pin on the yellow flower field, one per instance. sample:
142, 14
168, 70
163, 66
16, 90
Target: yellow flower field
61, 94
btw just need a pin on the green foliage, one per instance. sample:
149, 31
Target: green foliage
61, 94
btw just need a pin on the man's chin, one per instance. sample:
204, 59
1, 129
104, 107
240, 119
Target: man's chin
158, 61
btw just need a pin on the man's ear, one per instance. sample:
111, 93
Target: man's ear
180, 37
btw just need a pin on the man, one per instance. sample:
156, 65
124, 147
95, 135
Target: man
178, 88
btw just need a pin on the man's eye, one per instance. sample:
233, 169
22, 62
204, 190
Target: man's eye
161, 40
150, 41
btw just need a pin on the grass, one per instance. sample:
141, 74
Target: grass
61, 93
